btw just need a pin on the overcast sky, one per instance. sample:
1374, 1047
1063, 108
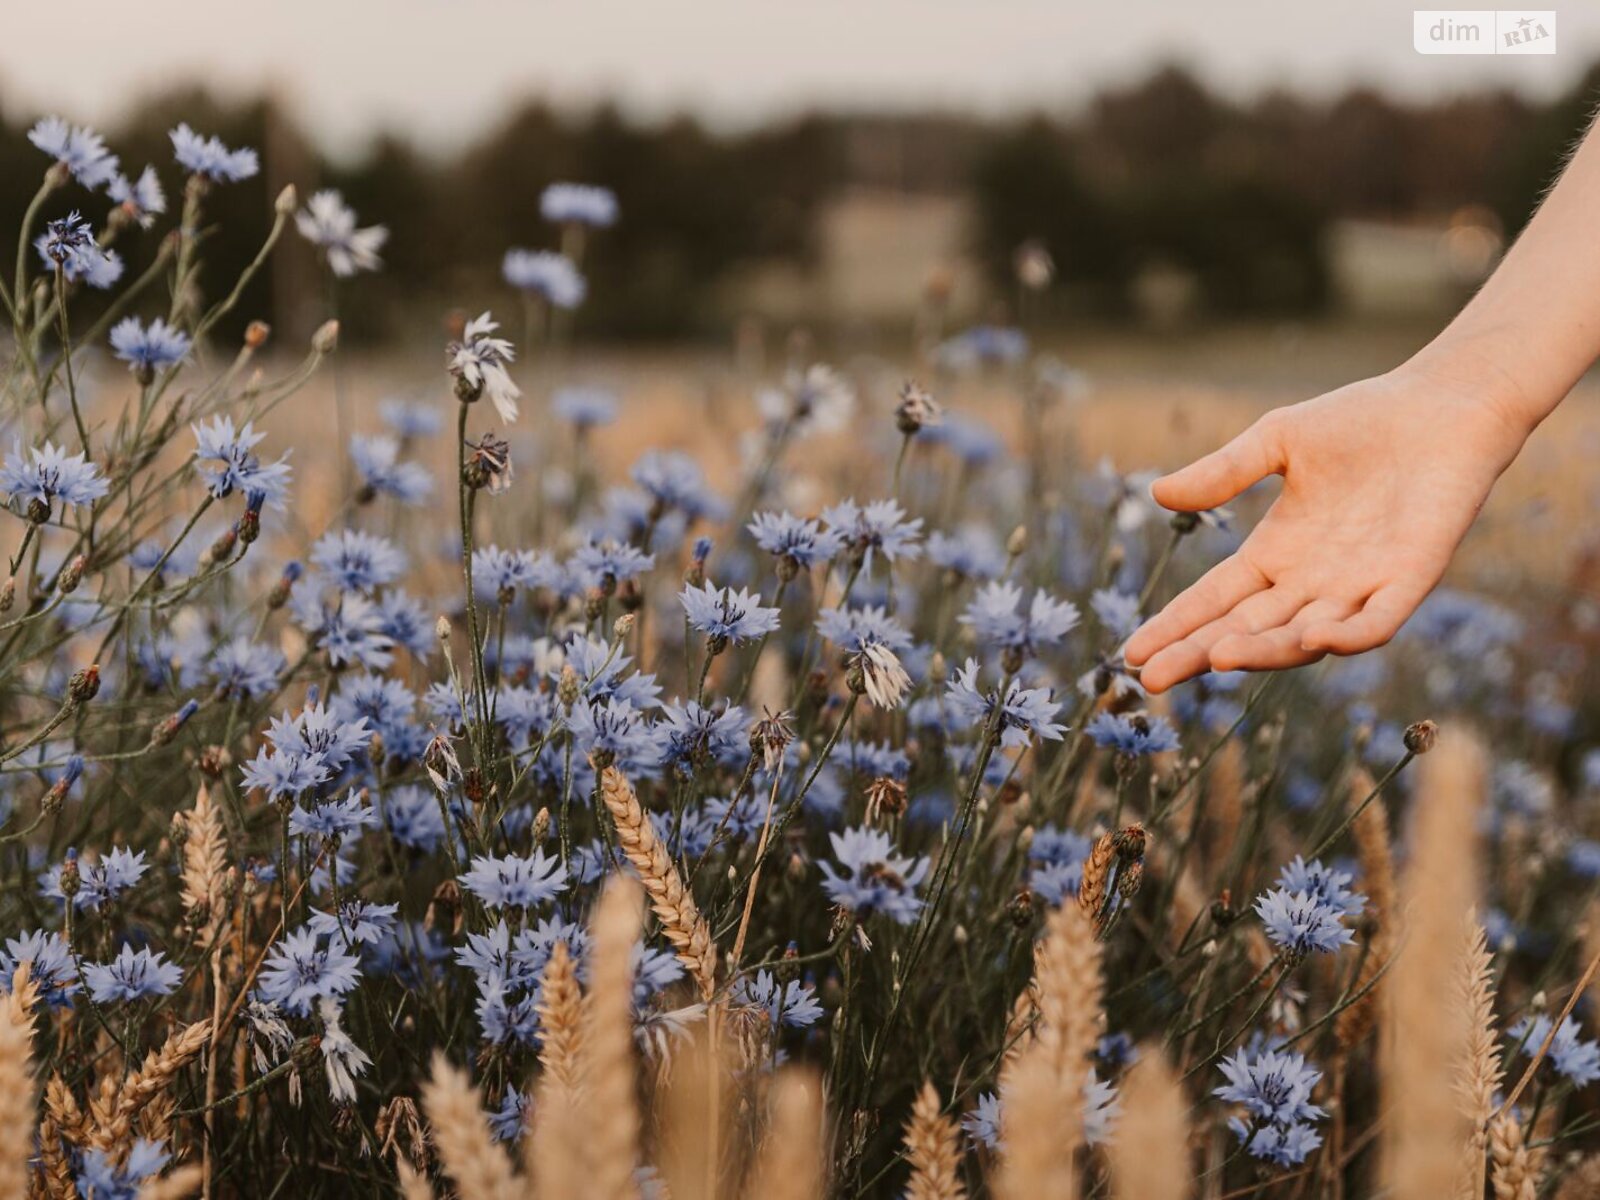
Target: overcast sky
442, 69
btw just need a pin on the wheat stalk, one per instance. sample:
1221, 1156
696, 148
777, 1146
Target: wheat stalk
1096, 871
414, 1185
611, 1122
933, 1148
1479, 1071
1371, 832
1517, 1166
119, 1101
18, 1104
549, 1150
680, 919
1042, 1114
1150, 1154
1425, 1128
790, 1165
467, 1153
205, 861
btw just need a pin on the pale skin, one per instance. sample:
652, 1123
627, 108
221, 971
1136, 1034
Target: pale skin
1383, 478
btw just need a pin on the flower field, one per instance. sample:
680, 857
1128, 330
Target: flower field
489, 770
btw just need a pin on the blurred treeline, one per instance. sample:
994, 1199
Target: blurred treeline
1236, 195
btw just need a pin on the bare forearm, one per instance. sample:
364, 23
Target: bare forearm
1534, 328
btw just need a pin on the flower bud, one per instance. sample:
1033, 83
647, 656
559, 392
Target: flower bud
1421, 736
623, 626
71, 878
83, 685
38, 510
256, 334
326, 338
284, 205
8, 594
1017, 542
1185, 523
168, 729
72, 575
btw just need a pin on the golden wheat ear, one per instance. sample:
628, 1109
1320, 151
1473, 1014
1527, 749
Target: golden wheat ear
467, 1151
791, 1162
1426, 1128
1150, 1151
19, 1105
610, 1105
933, 1149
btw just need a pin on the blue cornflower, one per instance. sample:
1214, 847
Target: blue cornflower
101, 1177
357, 922
579, 204
585, 407
319, 729
377, 460
413, 816
1328, 884
1300, 922
982, 345
972, 552
1023, 712
975, 443
603, 673
132, 975
513, 882
284, 774
1101, 1108
148, 349
52, 475
552, 277
497, 572
228, 464
994, 617
525, 712
410, 420
982, 1123
54, 969
328, 223
332, 818
208, 157
674, 481
875, 879
403, 621
99, 882
879, 527
1132, 734
793, 1004
797, 544
302, 969
697, 735
242, 669
607, 563
617, 729
1571, 1056
725, 615
357, 561
854, 629
70, 244
383, 701
1274, 1088
141, 198
1117, 611
508, 1122
78, 148
348, 627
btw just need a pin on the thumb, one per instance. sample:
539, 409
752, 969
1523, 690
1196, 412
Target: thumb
1224, 473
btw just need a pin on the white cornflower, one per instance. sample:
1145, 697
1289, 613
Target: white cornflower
341, 1058
327, 221
478, 361
884, 679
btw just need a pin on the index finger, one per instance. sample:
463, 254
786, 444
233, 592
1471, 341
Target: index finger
1209, 597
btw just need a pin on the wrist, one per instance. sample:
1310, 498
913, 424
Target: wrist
1471, 371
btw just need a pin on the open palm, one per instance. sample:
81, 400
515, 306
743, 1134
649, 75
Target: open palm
1381, 481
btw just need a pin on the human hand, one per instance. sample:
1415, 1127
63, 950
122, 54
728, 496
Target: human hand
1381, 480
